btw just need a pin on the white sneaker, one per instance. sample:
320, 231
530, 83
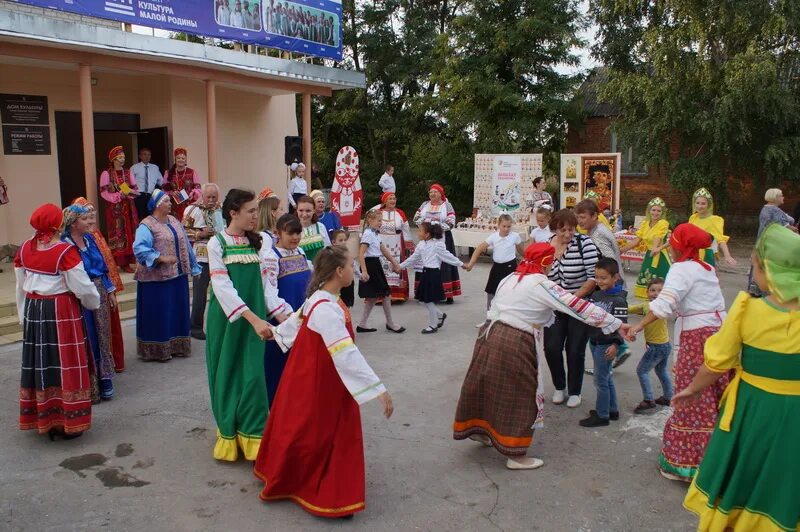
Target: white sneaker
574, 401
558, 397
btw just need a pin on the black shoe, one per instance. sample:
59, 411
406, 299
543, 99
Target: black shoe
594, 421
449, 301
644, 406
398, 330
364, 329
663, 401
348, 516
613, 416
441, 321
199, 335
429, 330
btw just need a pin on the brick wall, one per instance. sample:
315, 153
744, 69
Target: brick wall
58, 15
745, 197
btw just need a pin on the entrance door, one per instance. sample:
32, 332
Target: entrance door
69, 149
156, 139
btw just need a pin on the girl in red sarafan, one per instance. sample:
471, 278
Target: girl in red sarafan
55, 390
312, 451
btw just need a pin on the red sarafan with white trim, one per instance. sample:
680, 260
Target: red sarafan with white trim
347, 198
56, 385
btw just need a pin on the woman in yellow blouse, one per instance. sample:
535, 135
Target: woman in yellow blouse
705, 219
749, 478
653, 234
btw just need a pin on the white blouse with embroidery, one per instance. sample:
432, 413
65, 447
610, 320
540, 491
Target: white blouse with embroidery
328, 320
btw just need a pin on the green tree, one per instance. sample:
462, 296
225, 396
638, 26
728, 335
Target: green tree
718, 77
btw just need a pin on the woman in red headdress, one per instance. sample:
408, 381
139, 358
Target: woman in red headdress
395, 234
182, 183
118, 188
55, 390
692, 295
439, 211
502, 396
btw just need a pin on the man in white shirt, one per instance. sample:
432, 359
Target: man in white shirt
386, 182
148, 178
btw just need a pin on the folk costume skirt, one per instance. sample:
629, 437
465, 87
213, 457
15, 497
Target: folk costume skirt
55, 389
499, 271
313, 450
98, 331
653, 267
162, 319
688, 429
235, 363
499, 395
377, 287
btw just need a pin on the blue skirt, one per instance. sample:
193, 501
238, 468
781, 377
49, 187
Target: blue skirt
162, 319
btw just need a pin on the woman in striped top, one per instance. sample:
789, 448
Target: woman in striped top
572, 270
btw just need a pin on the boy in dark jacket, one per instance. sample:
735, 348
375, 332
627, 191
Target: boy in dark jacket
613, 299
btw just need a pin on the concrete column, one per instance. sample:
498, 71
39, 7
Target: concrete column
307, 136
87, 132
211, 129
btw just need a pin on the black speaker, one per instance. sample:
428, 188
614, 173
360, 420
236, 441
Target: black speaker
293, 152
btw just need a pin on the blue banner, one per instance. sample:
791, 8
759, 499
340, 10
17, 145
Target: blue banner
308, 27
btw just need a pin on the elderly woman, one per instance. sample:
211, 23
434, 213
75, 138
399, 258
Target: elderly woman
118, 188
691, 294
439, 211
771, 213
395, 234
117, 341
502, 397
328, 218
166, 259
182, 182
55, 389
572, 270
77, 231
202, 220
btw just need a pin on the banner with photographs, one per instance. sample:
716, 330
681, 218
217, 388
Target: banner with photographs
308, 27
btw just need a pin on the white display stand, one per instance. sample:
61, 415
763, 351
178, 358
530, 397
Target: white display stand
582, 172
503, 183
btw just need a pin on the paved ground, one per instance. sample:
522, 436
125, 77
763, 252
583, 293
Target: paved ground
146, 464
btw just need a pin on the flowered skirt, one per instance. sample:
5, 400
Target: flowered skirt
55, 389
502, 395
653, 267
688, 429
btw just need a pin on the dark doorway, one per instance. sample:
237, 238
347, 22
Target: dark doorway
69, 149
156, 139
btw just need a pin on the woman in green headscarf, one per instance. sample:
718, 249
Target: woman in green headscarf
750, 476
652, 234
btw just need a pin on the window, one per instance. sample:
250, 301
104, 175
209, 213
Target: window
630, 166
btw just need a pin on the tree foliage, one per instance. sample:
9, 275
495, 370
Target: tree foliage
447, 79
720, 77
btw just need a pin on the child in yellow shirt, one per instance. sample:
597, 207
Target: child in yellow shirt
656, 356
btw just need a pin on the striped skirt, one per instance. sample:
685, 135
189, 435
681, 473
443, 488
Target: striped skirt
499, 395
55, 389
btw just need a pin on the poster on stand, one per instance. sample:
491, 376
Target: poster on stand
504, 183
347, 198
595, 172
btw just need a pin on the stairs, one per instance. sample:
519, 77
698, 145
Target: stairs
11, 330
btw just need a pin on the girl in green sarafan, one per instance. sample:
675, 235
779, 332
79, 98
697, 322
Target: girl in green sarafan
750, 476
653, 232
241, 297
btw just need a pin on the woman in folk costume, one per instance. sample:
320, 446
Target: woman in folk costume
328, 218
288, 269
166, 260
269, 210
182, 183
117, 341
692, 294
77, 231
502, 397
601, 218
55, 394
704, 218
313, 449
315, 234
241, 295
652, 233
750, 476
438, 210
118, 188
395, 234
